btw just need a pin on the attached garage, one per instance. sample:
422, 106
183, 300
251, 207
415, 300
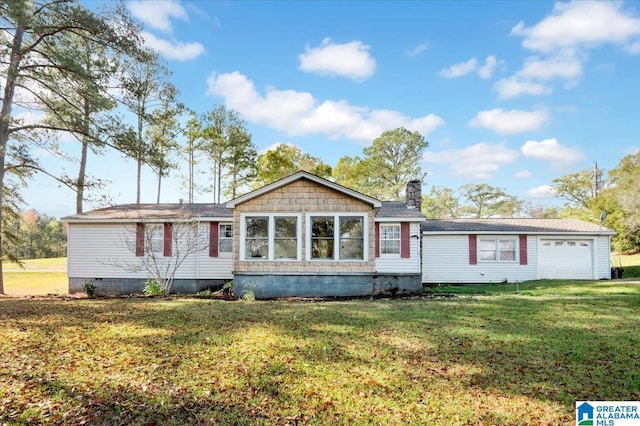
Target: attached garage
566, 259
514, 250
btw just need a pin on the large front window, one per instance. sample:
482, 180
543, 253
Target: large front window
257, 241
322, 237
498, 250
271, 237
337, 237
285, 240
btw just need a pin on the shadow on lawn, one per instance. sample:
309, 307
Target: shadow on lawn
560, 350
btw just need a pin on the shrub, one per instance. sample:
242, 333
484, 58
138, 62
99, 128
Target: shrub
90, 288
152, 287
247, 293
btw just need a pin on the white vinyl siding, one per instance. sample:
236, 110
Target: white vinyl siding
445, 259
94, 250
396, 264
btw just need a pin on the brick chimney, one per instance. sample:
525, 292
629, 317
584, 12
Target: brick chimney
414, 194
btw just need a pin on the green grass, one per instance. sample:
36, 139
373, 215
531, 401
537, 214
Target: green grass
496, 359
630, 263
51, 264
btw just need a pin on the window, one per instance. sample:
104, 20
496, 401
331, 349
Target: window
257, 240
347, 243
154, 238
389, 239
285, 238
225, 238
270, 237
498, 250
322, 238
351, 238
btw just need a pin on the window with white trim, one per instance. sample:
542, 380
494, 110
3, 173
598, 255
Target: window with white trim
270, 237
154, 237
348, 243
497, 250
257, 237
390, 239
225, 238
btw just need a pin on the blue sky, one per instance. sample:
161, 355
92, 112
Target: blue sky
513, 94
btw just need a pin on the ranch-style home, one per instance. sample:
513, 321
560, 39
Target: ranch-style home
306, 236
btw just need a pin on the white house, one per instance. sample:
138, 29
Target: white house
498, 250
306, 236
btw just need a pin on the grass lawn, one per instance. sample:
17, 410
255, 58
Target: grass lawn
498, 358
39, 277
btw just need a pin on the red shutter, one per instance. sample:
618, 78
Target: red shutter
139, 239
405, 240
523, 249
473, 250
168, 238
377, 239
213, 239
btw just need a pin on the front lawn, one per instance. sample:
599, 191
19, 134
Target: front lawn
502, 358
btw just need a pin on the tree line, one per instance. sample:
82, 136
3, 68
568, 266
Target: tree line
71, 72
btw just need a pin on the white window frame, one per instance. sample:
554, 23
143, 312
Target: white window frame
222, 237
497, 240
399, 239
151, 236
336, 236
271, 230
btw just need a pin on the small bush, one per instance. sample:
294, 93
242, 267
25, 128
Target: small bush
90, 288
152, 287
247, 293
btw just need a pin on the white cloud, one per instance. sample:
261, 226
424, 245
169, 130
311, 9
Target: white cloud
543, 191
460, 69
551, 151
351, 60
486, 70
564, 64
299, 113
157, 14
509, 122
523, 174
580, 23
511, 87
173, 50
417, 50
478, 161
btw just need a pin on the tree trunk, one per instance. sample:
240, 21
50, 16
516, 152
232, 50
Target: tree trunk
219, 185
190, 171
139, 154
5, 118
83, 160
159, 185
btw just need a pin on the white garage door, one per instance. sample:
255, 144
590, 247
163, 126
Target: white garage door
566, 259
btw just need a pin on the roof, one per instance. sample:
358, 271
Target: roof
152, 211
529, 226
398, 210
303, 175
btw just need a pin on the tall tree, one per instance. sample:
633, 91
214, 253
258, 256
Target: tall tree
577, 188
228, 147
488, 201
32, 40
192, 150
440, 203
392, 160
144, 83
284, 160
625, 189
353, 173
241, 162
162, 134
